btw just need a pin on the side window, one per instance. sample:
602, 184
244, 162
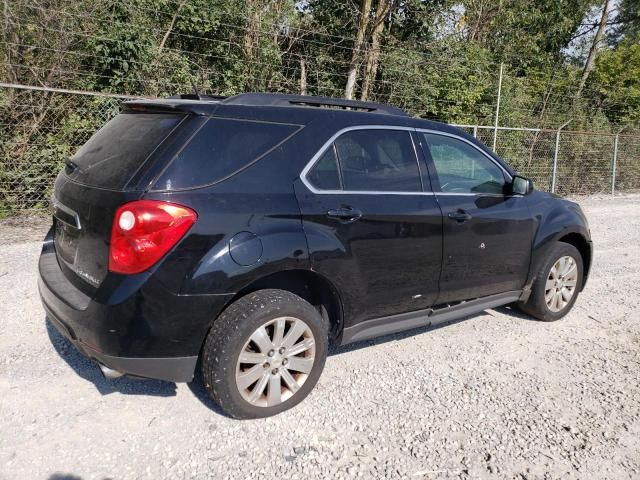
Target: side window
378, 160
461, 168
324, 174
220, 148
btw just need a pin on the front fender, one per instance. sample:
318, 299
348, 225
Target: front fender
556, 219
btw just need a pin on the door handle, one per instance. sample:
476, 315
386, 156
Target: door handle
345, 214
460, 216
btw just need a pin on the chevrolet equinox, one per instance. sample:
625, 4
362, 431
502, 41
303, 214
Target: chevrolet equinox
237, 237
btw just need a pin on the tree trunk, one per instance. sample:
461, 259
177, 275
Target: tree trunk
365, 7
303, 76
9, 36
171, 25
373, 54
250, 44
593, 51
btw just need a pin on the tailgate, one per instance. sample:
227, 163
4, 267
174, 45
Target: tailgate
83, 217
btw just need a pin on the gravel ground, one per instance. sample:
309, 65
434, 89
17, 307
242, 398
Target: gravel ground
494, 396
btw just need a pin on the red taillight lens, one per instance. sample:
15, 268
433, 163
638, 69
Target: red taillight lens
144, 231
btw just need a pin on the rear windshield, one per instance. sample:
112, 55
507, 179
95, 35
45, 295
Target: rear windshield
113, 155
219, 149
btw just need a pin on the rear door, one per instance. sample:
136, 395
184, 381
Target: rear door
488, 232
373, 225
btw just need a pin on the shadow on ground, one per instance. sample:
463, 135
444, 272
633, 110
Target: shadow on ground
200, 392
67, 476
90, 371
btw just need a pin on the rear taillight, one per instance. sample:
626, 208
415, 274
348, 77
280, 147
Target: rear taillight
144, 231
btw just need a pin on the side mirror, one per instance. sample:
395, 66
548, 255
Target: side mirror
521, 185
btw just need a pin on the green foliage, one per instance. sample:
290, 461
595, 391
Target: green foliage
438, 59
120, 48
628, 22
414, 81
616, 82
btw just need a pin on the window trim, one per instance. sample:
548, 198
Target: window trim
329, 143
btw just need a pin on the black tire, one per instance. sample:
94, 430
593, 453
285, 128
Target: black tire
232, 330
536, 306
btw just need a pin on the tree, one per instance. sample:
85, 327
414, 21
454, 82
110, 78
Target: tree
356, 54
595, 46
627, 24
615, 82
373, 53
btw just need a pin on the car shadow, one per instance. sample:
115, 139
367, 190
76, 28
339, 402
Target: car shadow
200, 392
90, 371
513, 311
68, 476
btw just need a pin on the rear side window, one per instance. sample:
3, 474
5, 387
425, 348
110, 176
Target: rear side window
381, 160
219, 149
113, 155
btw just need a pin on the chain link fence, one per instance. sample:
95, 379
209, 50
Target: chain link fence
567, 162
41, 127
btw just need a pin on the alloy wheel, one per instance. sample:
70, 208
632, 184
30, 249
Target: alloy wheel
561, 283
275, 361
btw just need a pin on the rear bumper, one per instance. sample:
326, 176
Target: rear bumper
145, 331
171, 369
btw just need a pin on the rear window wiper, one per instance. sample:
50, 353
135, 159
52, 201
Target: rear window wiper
70, 165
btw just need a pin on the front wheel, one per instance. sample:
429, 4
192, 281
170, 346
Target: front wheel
556, 287
264, 354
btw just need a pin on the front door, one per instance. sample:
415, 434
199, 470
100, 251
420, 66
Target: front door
487, 232
373, 228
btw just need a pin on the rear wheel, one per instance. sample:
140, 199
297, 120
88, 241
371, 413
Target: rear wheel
264, 354
556, 287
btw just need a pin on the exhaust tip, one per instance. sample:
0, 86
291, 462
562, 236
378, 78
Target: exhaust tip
110, 373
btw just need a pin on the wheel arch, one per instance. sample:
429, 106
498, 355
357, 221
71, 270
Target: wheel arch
571, 236
582, 245
307, 284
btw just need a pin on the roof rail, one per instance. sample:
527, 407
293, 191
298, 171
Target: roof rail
194, 96
287, 100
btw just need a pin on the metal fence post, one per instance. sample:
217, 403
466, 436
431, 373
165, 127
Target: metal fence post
475, 131
615, 160
555, 157
495, 129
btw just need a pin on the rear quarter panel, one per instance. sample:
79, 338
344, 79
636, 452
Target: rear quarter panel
259, 200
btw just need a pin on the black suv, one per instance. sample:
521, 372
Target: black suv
244, 234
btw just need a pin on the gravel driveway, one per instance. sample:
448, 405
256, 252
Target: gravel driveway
494, 396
